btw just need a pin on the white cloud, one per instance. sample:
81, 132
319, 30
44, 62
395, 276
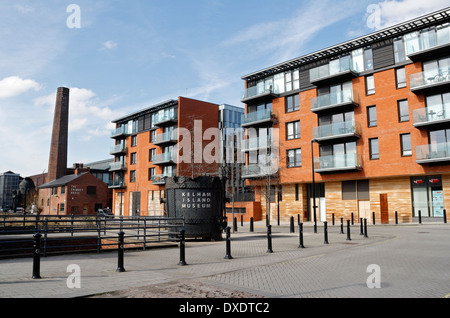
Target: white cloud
14, 86
393, 12
109, 45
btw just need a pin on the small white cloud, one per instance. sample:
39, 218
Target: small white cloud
109, 45
14, 86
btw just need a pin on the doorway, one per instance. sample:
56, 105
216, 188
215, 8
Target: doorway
384, 210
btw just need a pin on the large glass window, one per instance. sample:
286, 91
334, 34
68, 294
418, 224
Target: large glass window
403, 111
374, 149
293, 130
399, 50
406, 145
428, 196
294, 158
292, 103
372, 116
400, 77
370, 85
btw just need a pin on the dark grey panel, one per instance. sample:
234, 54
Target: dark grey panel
383, 54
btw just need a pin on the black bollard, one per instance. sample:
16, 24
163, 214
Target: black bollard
183, 247
361, 226
269, 239
352, 219
228, 245
365, 228
342, 226
325, 232
348, 231
292, 225
235, 224
420, 217
332, 219
396, 217
242, 220
37, 256
445, 215
301, 235
373, 217
251, 224
120, 243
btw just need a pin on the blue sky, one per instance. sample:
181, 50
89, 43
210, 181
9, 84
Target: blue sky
129, 55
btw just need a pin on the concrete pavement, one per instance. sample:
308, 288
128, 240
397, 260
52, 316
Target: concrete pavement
407, 261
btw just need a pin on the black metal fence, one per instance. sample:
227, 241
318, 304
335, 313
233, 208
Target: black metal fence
65, 234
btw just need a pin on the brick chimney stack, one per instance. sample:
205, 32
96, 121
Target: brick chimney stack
57, 165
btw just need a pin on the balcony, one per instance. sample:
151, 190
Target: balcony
121, 132
165, 119
165, 158
165, 138
432, 46
253, 144
117, 166
255, 171
342, 99
430, 81
338, 163
433, 153
342, 130
331, 73
118, 150
160, 179
256, 118
433, 115
258, 93
117, 184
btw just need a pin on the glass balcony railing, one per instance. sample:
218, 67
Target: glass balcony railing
338, 162
258, 116
338, 68
336, 99
433, 152
118, 149
166, 157
117, 166
169, 136
431, 114
432, 78
258, 170
160, 179
337, 130
163, 118
256, 143
260, 90
116, 184
418, 44
121, 131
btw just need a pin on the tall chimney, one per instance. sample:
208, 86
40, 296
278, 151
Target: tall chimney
57, 165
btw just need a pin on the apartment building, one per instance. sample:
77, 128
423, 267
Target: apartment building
172, 138
363, 126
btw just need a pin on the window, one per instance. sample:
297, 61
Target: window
352, 190
292, 103
370, 85
133, 141
368, 59
372, 116
61, 207
406, 145
152, 136
374, 151
133, 158
292, 80
294, 158
403, 112
151, 173
91, 190
151, 154
293, 130
399, 50
63, 190
133, 176
400, 77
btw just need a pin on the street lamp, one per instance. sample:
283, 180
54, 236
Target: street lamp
313, 185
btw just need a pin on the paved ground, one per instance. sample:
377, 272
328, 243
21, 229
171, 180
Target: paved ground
409, 261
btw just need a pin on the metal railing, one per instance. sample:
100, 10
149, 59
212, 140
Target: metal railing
69, 234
